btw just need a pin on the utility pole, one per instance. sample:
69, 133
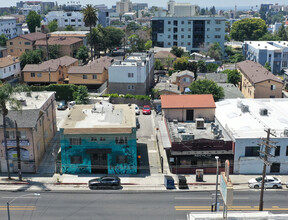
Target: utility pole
18, 152
47, 47
265, 160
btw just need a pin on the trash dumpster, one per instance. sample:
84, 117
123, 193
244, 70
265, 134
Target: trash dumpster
169, 182
182, 182
199, 175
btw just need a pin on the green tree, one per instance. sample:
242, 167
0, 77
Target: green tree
211, 67
202, 66
267, 66
233, 76
180, 63
6, 96
69, 28
132, 27
54, 51
33, 20
148, 44
236, 58
136, 43
193, 66
158, 65
113, 37
90, 19
31, 57
207, 87
81, 95
82, 54
96, 38
270, 37
3, 40
282, 33
177, 51
53, 26
248, 29
215, 51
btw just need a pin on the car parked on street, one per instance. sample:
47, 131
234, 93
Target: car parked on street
146, 110
105, 182
137, 111
269, 182
62, 105
137, 123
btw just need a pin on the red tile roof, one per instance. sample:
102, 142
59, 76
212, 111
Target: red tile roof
187, 101
34, 36
58, 41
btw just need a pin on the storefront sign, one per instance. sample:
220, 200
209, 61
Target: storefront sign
12, 143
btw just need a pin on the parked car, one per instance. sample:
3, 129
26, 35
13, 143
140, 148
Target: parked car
269, 182
137, 123
62, 105
137, 111
146, 110
105, 182
287, 185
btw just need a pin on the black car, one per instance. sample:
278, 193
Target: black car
105, 182
62, 105
137, 123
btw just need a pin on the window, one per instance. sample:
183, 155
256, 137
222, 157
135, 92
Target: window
39, 74
121, 140
189, 29
169, 36
27, 43
189, 22
10, 134
76, 159
102, 139
218, 22
277, 151
186, 79
175, 23
27, 50
79, 20
189, 36
4, 70
169, 29
32, 74
85, 76
182, 29
11, 50
169, 22
182, 36
66, 20
182, 43
72, 20
14, 67
217, 29
169, 43
182, 22
130, 75
122, 159
217, 36
22, 134
208, 22
188, 43
275, 168
286, 150
273, 87
93, 139
130, 87
11, 43
94, 76
252, 151
75, 141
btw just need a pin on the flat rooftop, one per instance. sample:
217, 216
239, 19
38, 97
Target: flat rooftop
102, 117
251, 124
268, 45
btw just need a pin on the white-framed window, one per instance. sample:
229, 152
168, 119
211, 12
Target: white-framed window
10, 135
273, 87
130, 87
22, 134
130, 75
186, 79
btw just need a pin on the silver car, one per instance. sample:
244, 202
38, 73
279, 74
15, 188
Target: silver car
269, 182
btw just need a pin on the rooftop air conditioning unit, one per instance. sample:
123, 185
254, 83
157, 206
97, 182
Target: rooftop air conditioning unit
187, 137
286, 132
263, 111
245, 108
181, 129
200, 123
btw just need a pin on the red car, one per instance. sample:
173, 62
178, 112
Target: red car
146, 110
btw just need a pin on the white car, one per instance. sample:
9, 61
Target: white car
270, 182
137, 111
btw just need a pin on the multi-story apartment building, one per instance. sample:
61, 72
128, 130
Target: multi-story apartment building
99, 138
65, 18
9, 67
51, 71
27, 8
134, 75
258, 82
9, 28
37, 126
23, 43
194, 33
139, 6
123, 6
273, 52
245, 121
182, 9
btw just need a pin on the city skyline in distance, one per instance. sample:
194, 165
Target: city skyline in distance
223, 4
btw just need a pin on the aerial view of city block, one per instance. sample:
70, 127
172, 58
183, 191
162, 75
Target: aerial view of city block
130, 110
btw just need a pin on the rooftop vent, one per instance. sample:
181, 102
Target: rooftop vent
23, 102
263, 111
175, 121
245, 108
286, 132
181, 129
200, 123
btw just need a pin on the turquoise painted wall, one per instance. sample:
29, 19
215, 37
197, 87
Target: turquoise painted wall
129, 150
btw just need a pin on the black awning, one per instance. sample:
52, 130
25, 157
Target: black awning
98, 150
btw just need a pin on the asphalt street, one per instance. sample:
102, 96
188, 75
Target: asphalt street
120, 205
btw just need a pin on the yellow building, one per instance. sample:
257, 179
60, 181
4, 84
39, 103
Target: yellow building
258, 82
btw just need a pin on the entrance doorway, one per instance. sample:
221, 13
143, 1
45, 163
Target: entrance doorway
99, 163
189, 115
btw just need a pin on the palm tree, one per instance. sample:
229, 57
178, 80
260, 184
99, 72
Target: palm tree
6, 96
96, 37
90, 20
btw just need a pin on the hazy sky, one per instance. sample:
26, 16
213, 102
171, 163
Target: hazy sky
163, 3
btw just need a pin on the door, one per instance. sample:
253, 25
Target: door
99, 163
189, 115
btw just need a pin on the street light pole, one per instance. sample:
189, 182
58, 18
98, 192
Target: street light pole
216, 194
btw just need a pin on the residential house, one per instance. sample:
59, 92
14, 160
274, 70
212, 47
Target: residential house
166, 88
182, 79
78, 34
258, 82
99, 138
23, 43
51, 71
167, 58
36, 123
273, 52
68, 46
246, 122
9, 67
9, 27
3, 52
93, 75
190, 135
195, 33
134, 75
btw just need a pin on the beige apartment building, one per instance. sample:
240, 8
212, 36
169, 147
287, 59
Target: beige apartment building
23, 43
51, 71
36, 123
258, 82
